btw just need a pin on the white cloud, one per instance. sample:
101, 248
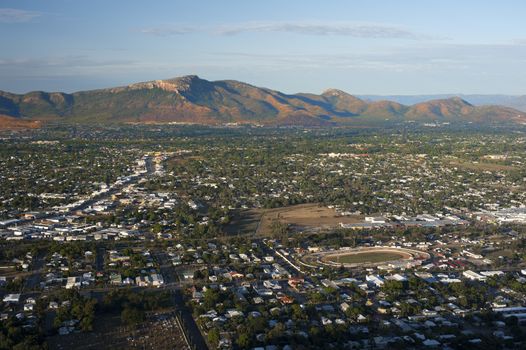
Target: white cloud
357, 30
373, 31
63, 66
432, 58
166, 31
9, 15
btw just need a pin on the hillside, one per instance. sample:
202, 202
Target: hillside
11, 123
191, 99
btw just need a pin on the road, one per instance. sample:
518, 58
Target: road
190, 327
34, 279
166, 267
149, 165
295, 271
99, 258
115, 188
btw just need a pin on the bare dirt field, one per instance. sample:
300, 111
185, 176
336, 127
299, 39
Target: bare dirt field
314, 215
305, 216
299, 217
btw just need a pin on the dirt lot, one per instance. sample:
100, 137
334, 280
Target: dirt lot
314, 215
300, 217
160, 331
304, 217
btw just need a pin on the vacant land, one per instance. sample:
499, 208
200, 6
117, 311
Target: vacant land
305, 216
365, 257
299, 217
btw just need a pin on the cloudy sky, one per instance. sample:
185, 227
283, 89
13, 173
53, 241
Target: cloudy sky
363, 47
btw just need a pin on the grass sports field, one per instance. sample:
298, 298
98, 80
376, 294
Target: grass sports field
365, 257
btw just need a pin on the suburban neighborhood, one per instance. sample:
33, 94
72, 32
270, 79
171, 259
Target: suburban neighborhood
369, 241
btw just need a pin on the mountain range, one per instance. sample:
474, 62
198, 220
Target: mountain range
190, 99
513, 101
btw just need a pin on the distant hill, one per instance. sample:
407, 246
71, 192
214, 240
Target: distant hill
190, 99
517, 102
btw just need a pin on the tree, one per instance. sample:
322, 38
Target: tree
243, 341
211, 298
213, 337
278, 229
5, 342
86, 324
298, 313
132, 316
198, 274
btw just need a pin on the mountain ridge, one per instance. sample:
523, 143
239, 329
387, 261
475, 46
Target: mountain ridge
190, 99
513, 101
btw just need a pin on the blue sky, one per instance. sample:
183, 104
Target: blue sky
362, 47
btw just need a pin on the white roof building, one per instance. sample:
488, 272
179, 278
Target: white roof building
12, 298
472, 275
